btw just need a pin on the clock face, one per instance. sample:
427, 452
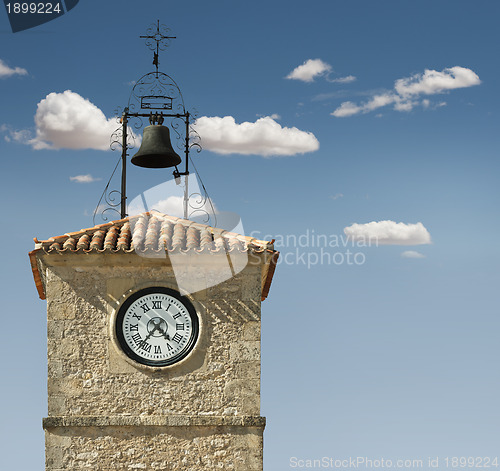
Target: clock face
157, 326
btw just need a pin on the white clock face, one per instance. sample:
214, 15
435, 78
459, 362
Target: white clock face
157, 327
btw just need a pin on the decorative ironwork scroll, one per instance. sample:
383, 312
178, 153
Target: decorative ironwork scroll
158, 92
160, 36
108, 202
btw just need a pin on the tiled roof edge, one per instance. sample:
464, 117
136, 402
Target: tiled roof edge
36, 273
270, 273
229, 241
208, 240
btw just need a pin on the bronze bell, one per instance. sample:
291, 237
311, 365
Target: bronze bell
156, 149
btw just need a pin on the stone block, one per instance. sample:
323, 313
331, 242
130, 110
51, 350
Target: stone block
63, 349
251, 330
202, 448
55, 329
248, 370
55, 369
247, 350
57, 309
56, 405
54, 456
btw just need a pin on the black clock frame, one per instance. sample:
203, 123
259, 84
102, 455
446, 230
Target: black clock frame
151, 290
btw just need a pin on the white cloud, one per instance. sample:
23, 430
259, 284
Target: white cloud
84, 179
432, 81
265, 137
404, 105
168, 198
348, 79
22, 136
313, 68
412, 254
348, 108
389, 233
309, 70
378, 101
427, 104
174, 206
6, 71
67, 120
407, 91
274, 116
337, 196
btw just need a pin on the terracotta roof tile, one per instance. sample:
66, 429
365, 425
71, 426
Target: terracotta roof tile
97, 240
70, 244
152, 231
83, 242
124, 237
111, 238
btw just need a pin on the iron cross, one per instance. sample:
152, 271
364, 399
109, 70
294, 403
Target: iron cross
161, 39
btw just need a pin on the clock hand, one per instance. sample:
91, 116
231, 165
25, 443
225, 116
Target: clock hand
164, 333
155, 328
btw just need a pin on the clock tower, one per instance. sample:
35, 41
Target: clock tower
153, 333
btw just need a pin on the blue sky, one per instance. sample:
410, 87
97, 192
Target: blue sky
395, 357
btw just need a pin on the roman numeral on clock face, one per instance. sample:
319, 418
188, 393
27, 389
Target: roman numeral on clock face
156, 327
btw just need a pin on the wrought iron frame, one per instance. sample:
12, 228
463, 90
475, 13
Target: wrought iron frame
154, 91
126, 115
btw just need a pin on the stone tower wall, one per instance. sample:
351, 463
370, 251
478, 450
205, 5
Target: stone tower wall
106, 412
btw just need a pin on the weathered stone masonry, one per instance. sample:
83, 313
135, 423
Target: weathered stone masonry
107, 412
